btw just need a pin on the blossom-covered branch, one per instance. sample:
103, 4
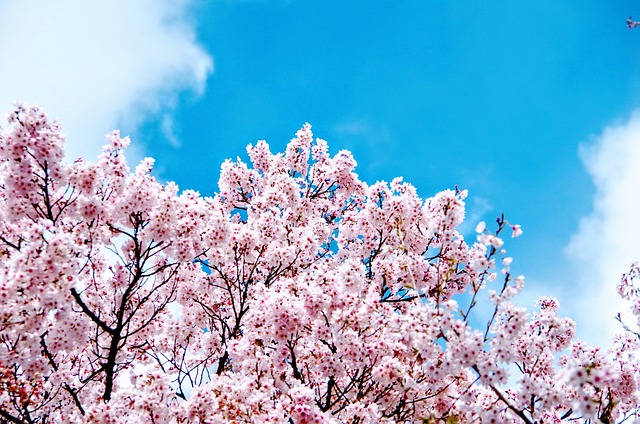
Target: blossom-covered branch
298, 293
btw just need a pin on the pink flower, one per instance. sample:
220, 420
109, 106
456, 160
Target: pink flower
297, 293
516, 231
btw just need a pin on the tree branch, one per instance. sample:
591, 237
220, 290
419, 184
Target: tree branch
89, 313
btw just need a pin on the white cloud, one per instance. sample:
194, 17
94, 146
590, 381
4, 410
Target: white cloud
167, 126
608, 239
98, 66
476, 208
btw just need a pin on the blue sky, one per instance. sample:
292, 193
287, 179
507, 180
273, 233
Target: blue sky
528, 104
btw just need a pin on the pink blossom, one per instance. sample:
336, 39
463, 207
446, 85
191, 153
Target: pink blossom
298, 293
516, 231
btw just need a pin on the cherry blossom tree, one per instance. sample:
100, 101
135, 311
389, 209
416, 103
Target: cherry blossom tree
297, 294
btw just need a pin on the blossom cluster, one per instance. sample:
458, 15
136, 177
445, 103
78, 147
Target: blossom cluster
298, 293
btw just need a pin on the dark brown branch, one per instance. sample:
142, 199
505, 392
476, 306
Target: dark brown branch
294, 365
89, 313
327, 402
222, 362
500, 395
10, 418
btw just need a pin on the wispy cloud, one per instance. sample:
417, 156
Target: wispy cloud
364, 131
167, 126
608, 239
362, 134
99, 65
476, 208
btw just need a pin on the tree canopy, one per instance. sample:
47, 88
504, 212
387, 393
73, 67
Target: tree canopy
297, 293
